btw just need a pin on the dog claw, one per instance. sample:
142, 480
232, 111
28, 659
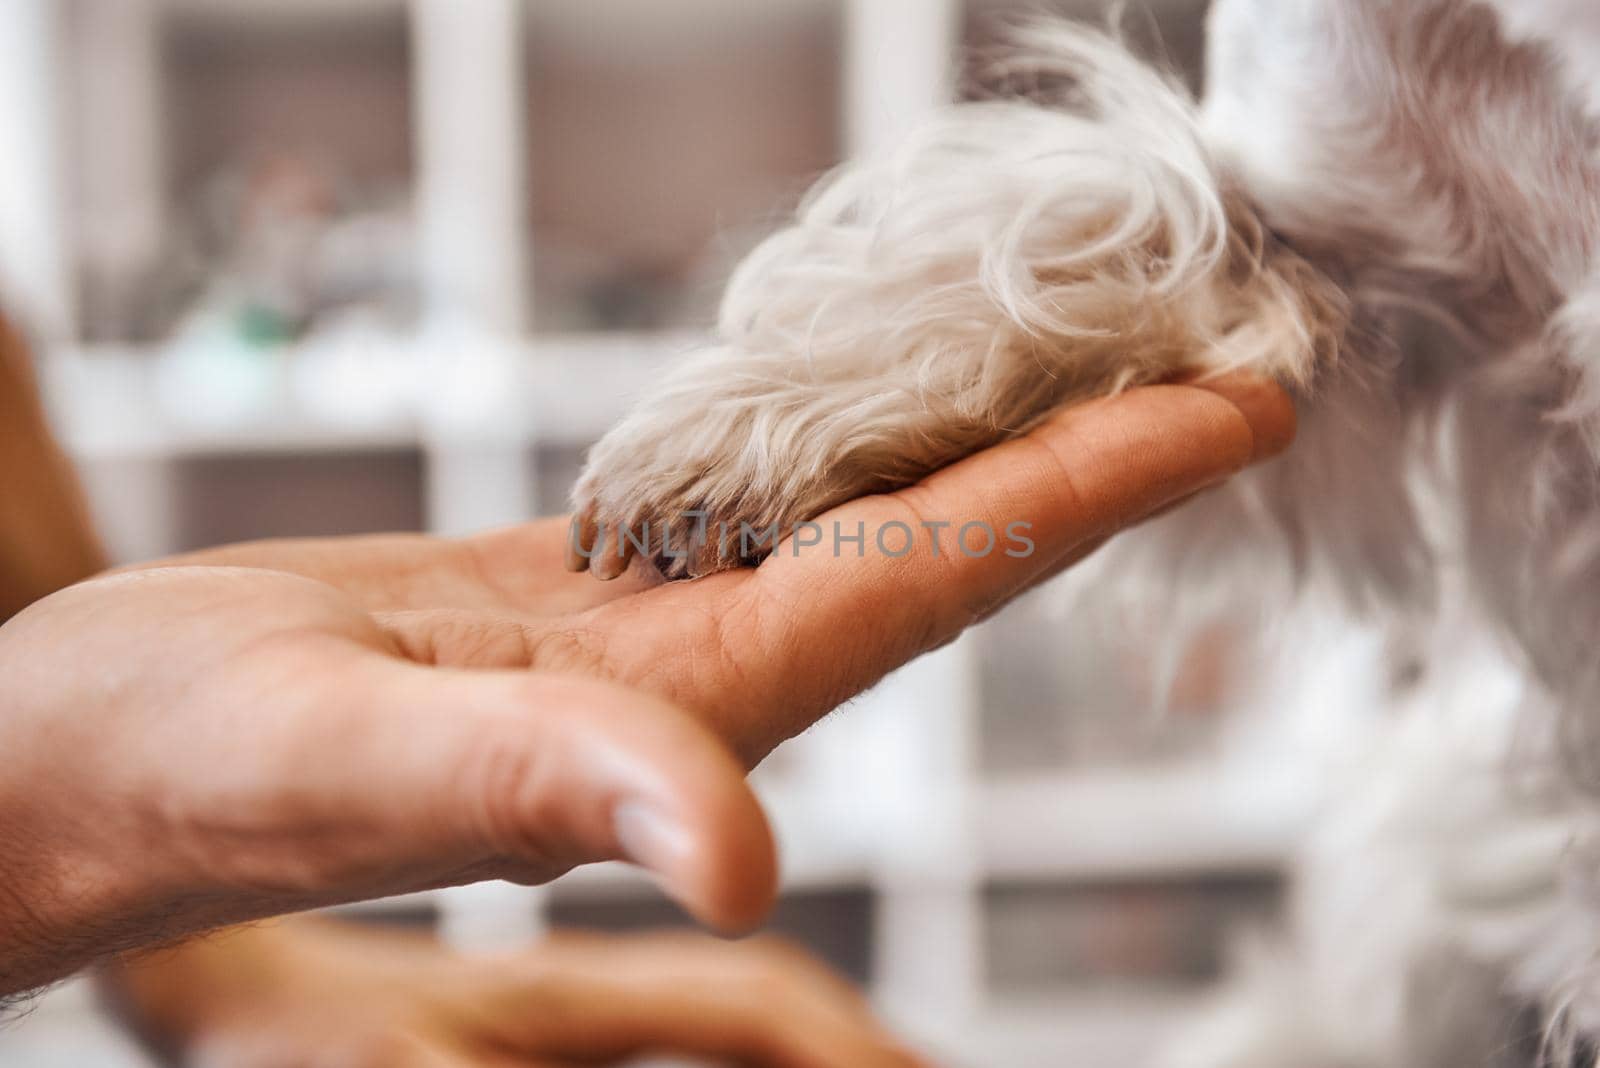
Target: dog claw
611, 554
580, 540
602, 546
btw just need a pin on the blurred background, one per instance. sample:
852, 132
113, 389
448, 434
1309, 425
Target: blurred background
334, 266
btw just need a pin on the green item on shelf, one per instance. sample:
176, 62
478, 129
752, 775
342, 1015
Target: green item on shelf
263, 327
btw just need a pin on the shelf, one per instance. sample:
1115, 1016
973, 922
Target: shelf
119, 402
1161, 823
1155, 826
247, 152
815, 854
280, 10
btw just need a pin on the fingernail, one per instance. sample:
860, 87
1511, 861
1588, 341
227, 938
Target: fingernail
1265, 406
651, 839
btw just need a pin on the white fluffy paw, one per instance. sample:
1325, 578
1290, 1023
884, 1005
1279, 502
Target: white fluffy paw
719, 468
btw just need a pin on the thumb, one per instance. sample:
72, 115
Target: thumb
524, 775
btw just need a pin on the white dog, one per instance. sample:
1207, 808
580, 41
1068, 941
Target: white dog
1393, 206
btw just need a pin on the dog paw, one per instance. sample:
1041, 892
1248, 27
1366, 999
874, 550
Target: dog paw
716, 469
688, 493
682, 544
648, 509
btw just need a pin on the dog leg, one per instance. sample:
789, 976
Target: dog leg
1011, 257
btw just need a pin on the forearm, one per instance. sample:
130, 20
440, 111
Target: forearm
38, 951
46, 538
29, 960
52, 917
86, 867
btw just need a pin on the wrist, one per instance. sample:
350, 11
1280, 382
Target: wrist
67, 900
49, 907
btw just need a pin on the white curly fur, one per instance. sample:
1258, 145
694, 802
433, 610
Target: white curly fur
1391, 205
1006, 259
1437, 157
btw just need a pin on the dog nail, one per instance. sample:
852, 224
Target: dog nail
611, 558
580, 541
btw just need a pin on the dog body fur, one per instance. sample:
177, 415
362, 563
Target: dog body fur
1392, 206
1439, 156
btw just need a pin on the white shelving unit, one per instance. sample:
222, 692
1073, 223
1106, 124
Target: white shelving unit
886, 795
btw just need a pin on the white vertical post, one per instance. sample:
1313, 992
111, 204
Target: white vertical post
34, 262
899, 68
928, 963
471, 206
491, 918
899, 65
471, 174
471, 198
477, 482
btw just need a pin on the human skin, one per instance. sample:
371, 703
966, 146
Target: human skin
308, 993
270, 728
46, 539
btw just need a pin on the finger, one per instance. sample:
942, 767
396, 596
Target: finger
258, 1044
533, 563
478, 774
381, 571
820, 628
1089, 472
760, 1003
517, 568
406, 1052
1268, 410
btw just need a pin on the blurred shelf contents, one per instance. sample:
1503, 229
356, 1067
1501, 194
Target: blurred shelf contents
268, 195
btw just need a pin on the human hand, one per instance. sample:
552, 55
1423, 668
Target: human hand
212, 741
318, 994
188, 747
761, 654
